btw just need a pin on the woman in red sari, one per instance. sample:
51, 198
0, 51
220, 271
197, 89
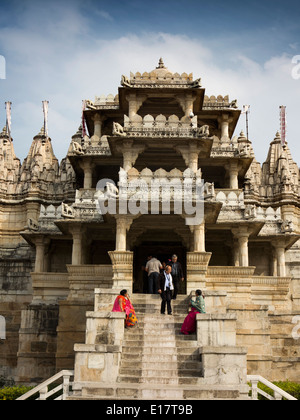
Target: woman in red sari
123, 304
197, 307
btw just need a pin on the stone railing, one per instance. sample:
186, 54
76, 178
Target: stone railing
157, 185
279, 394
218, 102
161, 127
103, 102
229, 197
155, 80
43, 389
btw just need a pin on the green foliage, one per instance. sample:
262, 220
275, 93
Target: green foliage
291, 388
12, 393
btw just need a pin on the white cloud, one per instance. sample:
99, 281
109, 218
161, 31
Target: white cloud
105, 15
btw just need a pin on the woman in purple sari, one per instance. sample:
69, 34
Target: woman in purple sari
197, 307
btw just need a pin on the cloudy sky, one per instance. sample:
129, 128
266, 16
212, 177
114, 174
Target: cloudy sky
68, 50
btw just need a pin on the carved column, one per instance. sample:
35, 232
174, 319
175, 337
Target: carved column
242, 236
244, 253
135, 102
123, 223
190, 155
187, 103
196, 269
224, 123
199, 238
130, 153
87, 167
77, 254
279, 247
236, 253
233, 172
98, 120
41, 245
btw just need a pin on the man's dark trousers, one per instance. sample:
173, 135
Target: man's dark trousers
166, 296
153, 283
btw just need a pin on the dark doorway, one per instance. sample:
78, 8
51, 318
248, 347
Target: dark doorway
163, 252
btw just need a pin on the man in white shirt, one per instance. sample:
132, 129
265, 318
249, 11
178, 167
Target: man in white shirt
166, 288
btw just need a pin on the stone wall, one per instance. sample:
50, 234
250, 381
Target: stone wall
16, 265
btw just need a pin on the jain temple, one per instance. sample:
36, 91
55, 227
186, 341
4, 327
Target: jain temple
76, 232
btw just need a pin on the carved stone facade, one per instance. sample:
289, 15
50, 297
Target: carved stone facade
57, 246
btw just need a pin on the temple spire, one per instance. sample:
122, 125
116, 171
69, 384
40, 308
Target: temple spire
161, 64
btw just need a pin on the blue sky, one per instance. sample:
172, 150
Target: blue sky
66, 51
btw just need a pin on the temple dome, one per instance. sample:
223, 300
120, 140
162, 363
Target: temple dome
161, 70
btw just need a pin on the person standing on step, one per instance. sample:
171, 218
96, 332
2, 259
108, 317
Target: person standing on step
166, 289
177, 274
153, 267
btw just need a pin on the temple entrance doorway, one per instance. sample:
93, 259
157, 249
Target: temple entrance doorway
163, 252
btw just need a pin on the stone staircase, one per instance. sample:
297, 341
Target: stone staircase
157, 362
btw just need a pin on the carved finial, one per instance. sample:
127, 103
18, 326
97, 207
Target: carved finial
4, 134
42, 132
161, 64
242, 135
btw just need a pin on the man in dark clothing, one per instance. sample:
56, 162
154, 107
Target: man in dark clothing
177, 274
165, 289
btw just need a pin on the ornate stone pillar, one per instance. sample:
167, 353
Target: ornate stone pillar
244, 253
122, 260
123, 223
187, 103
242, 236
87, 167
233, 172
235, 253
41, 245
224, 123
122, 265
130, 153
199, 238
135, 102
77, 254
98, 120
190, 155
196, 268
274, 263
280, 257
